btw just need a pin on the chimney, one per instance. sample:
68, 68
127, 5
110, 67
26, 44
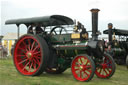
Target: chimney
94, 23
110, 25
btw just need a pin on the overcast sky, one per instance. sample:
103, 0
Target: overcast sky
114, 11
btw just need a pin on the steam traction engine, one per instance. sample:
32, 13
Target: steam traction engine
51, 46
118, 47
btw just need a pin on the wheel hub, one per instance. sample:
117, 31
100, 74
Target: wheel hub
104, 66
81, 67
29, 54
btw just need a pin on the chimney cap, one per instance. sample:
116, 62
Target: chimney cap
94, 10
110, 25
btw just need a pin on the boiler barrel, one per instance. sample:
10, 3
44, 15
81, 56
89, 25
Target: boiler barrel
71, 50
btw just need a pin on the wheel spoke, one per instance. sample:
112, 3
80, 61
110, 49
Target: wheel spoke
76, 69
37, 52
109, 69
34, 64
38, 57
88, 70
25, 45
80, 74
105, 71
25, 66
22, 61
21, 55
86, 73
32, 45
87, 62
81, 61
24, 51
29, 43
100, 70
30, 66
87, 67
35, 48
36, 61
108, 63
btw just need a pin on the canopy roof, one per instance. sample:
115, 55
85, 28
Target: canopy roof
52, 20
118, 32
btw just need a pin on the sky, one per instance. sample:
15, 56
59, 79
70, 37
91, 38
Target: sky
111, 11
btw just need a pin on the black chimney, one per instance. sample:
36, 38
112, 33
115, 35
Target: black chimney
95, 23
110, 25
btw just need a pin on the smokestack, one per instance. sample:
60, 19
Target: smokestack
95, 23
110, 25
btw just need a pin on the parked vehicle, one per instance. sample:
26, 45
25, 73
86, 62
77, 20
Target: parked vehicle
118, 43
54, 43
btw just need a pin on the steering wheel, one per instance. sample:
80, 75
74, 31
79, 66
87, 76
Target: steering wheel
58, 30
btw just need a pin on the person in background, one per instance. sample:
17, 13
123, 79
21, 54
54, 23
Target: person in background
5, 51
1, 50
12, 48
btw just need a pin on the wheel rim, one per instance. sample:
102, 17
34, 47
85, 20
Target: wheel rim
81, 68
104, 70
27, 55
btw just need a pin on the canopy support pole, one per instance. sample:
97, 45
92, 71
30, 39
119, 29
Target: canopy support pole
18, 31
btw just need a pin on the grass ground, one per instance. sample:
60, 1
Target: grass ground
9, 76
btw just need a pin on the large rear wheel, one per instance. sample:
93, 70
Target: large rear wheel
30, 55
83, 68
106, 68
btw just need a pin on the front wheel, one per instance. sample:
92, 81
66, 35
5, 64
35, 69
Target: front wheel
83, 68
106, 68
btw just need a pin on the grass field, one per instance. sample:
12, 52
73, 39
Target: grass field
9, 76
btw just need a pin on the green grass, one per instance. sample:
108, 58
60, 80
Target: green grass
10, 76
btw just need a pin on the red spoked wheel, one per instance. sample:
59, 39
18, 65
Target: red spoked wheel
30, 55
107, 68
83, 68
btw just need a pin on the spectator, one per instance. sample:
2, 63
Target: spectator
1, 50
12, 50
5, 51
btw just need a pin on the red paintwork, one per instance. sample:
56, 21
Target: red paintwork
25, 64
84, 74
105, 68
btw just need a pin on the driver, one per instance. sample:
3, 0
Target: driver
37, 29
30, 29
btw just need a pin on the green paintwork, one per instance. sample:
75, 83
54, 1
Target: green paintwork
119, 51
60, 38
64, 64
